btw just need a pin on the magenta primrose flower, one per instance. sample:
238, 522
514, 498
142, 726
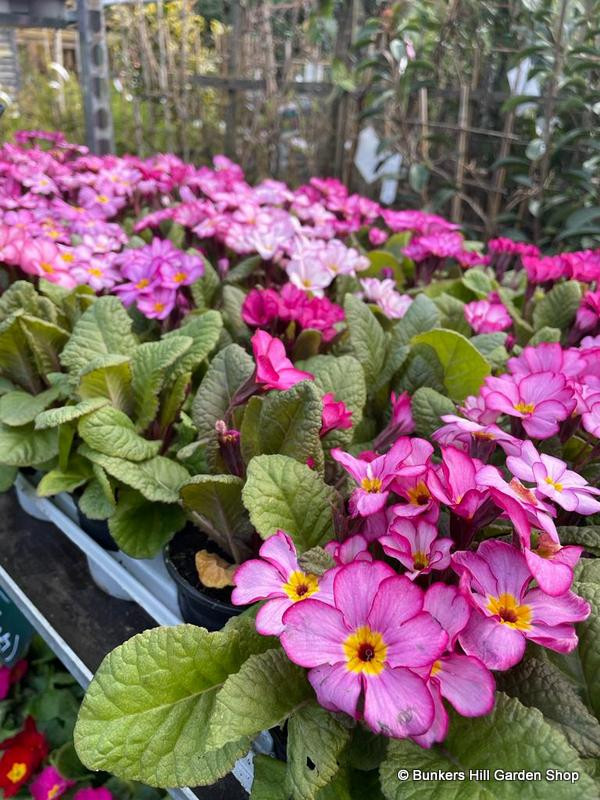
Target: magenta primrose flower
541, 400
274, 370
49, 784
335, 415
277, 577
506, 612
361, 650
375, 475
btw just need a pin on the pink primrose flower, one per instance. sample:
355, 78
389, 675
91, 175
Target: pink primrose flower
486, 317
274, 370
49, 785
362, 649
277, 577
506, 612
335, 415
416, 546
541, 400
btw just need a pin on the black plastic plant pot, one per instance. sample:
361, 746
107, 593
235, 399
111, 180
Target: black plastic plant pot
197, 606
97, 529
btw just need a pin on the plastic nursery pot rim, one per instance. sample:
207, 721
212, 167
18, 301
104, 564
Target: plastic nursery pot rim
191, 590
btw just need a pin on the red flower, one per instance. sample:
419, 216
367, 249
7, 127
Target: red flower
30, 739
16, 767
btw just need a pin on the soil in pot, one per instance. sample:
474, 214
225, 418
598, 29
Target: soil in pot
96, 529
199, 605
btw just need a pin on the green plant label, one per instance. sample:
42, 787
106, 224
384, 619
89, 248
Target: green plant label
15, 632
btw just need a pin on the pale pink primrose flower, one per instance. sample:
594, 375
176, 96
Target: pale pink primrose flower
278, 578
158, 304
507, 613
553, 480
362, 650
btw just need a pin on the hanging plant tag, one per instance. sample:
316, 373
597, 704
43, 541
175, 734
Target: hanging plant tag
15, 632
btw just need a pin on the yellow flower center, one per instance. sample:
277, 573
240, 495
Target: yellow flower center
420, 560
159, 307
437, 667
95, 271
68, 257
365, 651
17, 772
554, 484
524, 408
179, 277
419, 495
102, 198
53, 792
510, 612
301, 585
142, 284
53, 234
371, 485
46, 266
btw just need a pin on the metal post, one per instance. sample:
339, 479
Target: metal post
94, 77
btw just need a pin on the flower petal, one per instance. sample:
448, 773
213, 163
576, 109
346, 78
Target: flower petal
255, 580
417, 642
447, 605
497, 645
314, 633
269, 618
337, 688
398, 703
467, 684
355, 588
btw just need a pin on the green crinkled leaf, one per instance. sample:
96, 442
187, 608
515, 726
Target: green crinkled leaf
423, 369
94, 502
7, 477
265, 691
16, 360
19, 408
589, 641
204, 330
150, 367
146, 713
316, 560
366, 336
344, 376
269, 779
492, 346
588, 536
233, 300
452, 313
512, 737
242, 270
558, 307
173, 398
46, 341
110, 377
523, 329
464, 367
289, 423
478, 282
250, 433
307, 344
282, 494
22, 295
59, 416
422, 315
215, 504
104, 329
315, 736
111, 432
158, 479
228, 371
428, 406
545, 334
24, 446
58, 480
537, 682
140, 528
204, 289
